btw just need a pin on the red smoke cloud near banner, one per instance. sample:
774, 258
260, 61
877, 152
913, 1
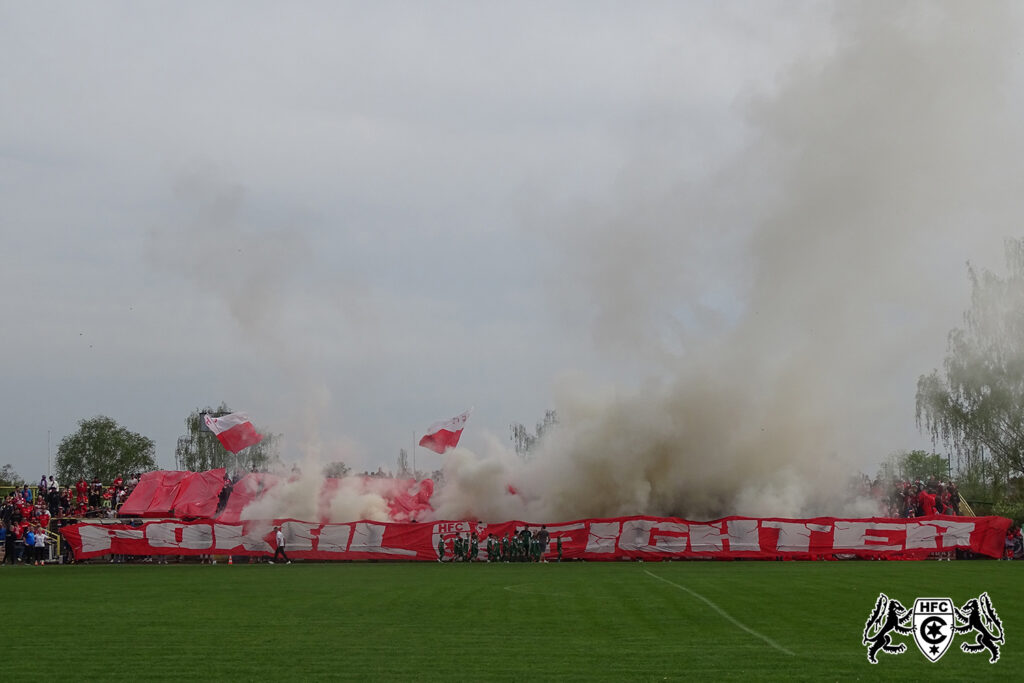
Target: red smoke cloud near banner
622, 538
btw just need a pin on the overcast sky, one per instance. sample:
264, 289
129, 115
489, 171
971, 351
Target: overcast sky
351, 220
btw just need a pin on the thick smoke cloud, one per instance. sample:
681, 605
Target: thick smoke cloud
783, 298
219, 247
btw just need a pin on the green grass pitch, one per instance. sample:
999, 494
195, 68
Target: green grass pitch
570, 621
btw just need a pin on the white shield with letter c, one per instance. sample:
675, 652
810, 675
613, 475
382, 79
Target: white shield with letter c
933, 626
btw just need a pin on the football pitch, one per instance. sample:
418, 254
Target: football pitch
571, 621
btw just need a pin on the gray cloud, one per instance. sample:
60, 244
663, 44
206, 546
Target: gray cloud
458, 206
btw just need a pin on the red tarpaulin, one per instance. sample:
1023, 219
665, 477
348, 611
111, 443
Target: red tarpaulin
142, 495
167, 493
623, 538
199, 494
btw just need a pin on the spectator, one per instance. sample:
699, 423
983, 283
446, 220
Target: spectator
926, 502
9, 543
40, 549
1012, 543
29, 544
82, 489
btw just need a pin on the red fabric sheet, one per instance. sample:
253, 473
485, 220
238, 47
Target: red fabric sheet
154, 495
139, 499
199, 494
168, 493
623, 538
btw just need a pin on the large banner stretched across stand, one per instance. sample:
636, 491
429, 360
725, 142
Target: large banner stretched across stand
639, 537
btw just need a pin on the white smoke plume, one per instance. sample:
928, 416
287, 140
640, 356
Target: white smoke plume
297, 496
251, 268
786, 300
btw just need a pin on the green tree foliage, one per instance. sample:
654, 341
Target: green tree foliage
8, 477
199, 449
103, 449
976, 406
914, 466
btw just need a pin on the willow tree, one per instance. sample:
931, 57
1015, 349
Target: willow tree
199, 449
976, 405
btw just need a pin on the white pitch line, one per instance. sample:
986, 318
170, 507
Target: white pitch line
724, 614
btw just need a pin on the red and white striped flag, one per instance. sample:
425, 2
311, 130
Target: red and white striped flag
444, 435
234, 431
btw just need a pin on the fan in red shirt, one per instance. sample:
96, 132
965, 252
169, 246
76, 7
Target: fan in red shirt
927, 502
43, 517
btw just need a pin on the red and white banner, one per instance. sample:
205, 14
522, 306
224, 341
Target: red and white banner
444, 435
624, 538
234, 431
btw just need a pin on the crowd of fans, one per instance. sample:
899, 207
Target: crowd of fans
27, 512
905, 498
26, 515
920, 499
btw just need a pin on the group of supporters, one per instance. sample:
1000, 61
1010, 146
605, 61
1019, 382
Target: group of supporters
94, 499
920, 499
524, 546
24, 521
26, 513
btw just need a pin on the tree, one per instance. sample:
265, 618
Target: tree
102, 449
523, 441
914, 466
337, 470
976, 407
403, 464
199, 450
8, 477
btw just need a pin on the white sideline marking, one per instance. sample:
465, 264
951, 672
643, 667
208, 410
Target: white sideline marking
728, 617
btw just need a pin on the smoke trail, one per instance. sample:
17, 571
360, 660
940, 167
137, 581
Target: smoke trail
795, 288
219, 247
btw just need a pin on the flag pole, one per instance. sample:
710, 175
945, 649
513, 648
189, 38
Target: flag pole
414, 475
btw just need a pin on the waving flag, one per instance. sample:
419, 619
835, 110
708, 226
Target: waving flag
444, 435
234, 431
